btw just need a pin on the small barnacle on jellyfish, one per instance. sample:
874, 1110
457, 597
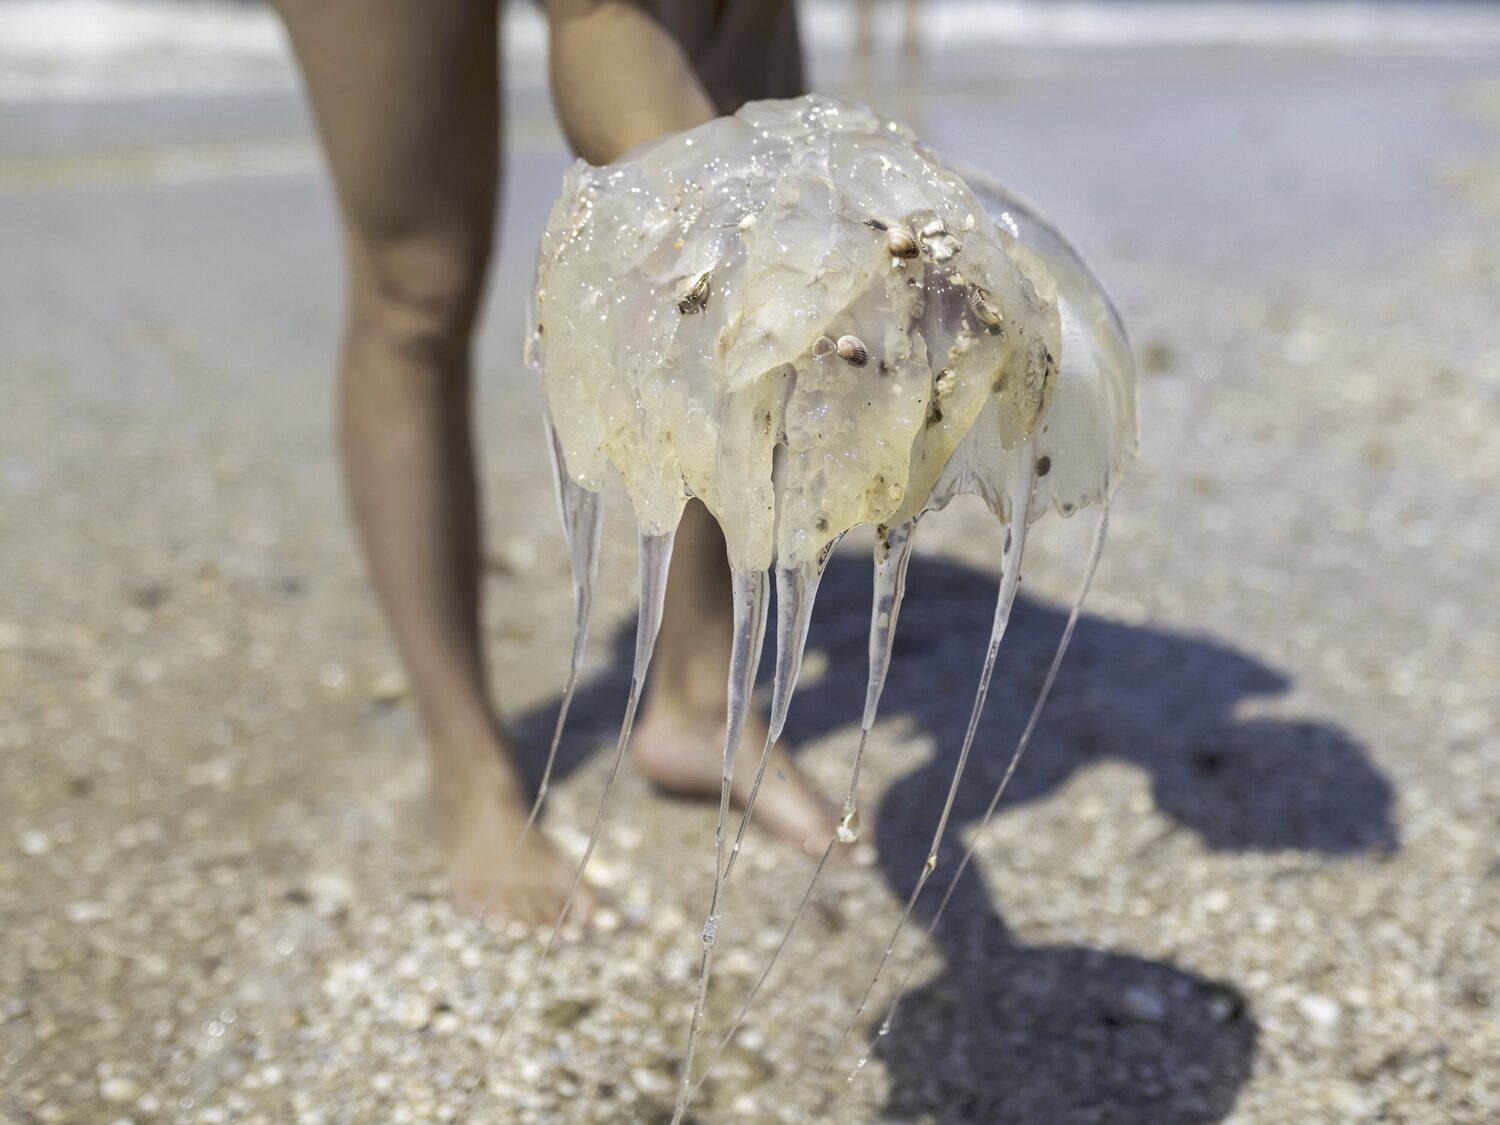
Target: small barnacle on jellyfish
1010, 379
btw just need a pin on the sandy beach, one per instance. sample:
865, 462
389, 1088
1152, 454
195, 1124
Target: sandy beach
1248, 872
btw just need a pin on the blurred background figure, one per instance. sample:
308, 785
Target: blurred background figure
1247, 868
865, 14
869, 66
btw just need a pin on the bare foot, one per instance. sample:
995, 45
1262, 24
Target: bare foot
481, 809
679, 741
680, 746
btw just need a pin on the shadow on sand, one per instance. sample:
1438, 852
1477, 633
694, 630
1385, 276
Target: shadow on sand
1010, 1032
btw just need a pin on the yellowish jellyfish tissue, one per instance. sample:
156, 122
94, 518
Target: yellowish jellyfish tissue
809, 321
805, 274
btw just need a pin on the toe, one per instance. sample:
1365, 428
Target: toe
536, 909
585, 906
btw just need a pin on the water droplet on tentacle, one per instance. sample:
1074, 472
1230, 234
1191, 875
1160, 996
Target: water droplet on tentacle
847, 831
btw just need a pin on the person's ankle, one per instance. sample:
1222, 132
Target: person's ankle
468, 762
690, 690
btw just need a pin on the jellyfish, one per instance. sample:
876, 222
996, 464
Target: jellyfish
809, 321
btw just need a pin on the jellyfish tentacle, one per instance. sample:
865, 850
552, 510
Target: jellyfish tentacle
656, 557
1095, 550
750, 603
582, 512
892, 556
1018, 509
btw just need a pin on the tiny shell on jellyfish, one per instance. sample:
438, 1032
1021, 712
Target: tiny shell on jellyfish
852, 351
902, 243
1021, 348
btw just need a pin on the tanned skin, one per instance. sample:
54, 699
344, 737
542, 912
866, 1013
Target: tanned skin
407, 98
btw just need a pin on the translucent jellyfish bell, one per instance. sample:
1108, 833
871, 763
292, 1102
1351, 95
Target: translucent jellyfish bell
1087, 439
804, 275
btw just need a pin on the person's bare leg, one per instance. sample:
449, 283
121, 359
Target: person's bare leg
679, 743
748, 50
622, 74
406, 98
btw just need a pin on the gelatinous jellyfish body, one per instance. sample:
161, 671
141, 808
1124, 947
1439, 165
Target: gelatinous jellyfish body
800, 275
807, 320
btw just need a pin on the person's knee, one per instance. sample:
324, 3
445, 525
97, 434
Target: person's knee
418, 292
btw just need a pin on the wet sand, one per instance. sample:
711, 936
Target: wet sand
1249, 871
